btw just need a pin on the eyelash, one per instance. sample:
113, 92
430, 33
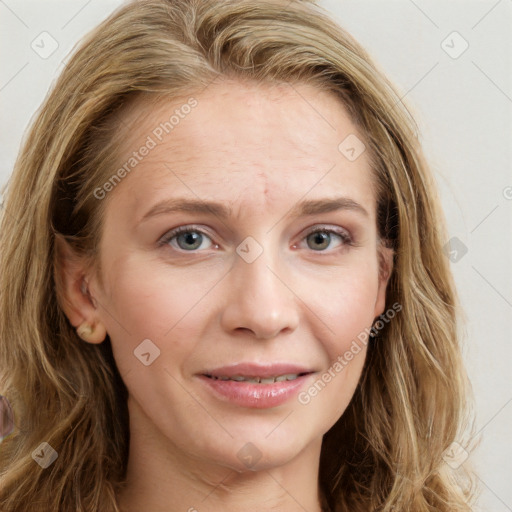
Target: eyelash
345, 237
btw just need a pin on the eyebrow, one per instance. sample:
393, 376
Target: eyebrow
309, 207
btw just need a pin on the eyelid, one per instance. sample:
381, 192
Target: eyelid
338, 230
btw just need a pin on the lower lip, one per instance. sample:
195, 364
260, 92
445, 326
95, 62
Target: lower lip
258, 396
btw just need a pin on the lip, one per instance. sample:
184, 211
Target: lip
253, 395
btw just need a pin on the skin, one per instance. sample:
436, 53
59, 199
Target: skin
259, 149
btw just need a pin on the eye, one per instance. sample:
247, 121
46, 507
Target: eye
186, 238
189, 239
320, 239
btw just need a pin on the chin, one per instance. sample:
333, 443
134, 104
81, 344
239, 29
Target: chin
257, 452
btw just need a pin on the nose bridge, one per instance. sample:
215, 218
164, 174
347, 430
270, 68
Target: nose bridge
259, 300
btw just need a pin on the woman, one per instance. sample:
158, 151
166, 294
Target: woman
223, 285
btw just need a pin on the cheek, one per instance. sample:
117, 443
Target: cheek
329, 394
345, 315
142, 305
345, 305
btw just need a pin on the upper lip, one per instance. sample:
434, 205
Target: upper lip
258, 370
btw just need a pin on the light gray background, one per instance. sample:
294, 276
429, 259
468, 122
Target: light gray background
463, 105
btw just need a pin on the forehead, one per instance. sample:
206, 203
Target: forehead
242, 139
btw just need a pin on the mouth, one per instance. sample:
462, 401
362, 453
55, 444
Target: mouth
256, 385
255, 379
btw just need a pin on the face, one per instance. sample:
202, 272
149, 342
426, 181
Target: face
277, 276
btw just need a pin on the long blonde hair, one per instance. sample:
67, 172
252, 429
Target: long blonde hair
412, 402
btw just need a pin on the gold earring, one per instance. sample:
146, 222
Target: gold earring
92, 333
84, 331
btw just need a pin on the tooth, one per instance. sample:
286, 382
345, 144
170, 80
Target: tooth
258, 380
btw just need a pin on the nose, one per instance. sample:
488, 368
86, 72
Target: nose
260, 300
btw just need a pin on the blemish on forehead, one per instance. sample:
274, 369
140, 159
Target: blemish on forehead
266, 189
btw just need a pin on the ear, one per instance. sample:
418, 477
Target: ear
72, 290
385, 255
